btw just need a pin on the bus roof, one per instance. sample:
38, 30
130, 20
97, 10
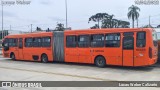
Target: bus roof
110, 30
30, 34
85, 31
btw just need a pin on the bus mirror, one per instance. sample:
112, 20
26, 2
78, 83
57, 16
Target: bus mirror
6, 48
3, 44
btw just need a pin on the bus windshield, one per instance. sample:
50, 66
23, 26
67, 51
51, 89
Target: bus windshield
154, 35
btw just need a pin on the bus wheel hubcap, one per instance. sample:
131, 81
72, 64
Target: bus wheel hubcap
12, 56
44, 59
100, 62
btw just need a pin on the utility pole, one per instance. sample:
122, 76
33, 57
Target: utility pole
31, 28
137, 23
66, 14
2, 19
149, 20
10, 27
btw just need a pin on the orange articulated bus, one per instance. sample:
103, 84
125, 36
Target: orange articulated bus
122, 47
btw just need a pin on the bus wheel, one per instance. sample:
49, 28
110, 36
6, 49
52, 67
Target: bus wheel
44, 58
100, 62
12, 56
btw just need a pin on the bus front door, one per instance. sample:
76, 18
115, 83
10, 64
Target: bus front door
20, 48
128, 51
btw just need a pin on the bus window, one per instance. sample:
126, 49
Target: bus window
128, 43
37, 42
28, 42
46, 41
5, 43
154, 35
97, 40
12, 42
71, 41
84, 41
141, 39
112, 40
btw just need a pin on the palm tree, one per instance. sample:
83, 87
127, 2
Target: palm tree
98, 18
133, 14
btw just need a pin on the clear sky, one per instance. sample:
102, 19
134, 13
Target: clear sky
46, 13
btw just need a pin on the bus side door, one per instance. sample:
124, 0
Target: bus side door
20, 48
128, 51
15, 47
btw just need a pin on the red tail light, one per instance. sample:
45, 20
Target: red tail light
150, 52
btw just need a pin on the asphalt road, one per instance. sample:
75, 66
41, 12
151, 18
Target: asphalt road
35, 71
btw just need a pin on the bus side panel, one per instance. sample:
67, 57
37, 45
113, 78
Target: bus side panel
16, 52
45, 50
84, 55
36, 52
28, 52
97, 52
113, 56
71, 53
50, 50
12, 50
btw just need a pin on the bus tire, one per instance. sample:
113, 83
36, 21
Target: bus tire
100, 61
44, 58
12, 56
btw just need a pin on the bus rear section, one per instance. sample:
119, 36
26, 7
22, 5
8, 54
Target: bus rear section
153, 49
146, 50
120, 47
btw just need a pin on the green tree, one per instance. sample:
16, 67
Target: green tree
95, 26
60, 27
108, 22
98, 18
114, 23
124, 24
133, 14
158, 26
